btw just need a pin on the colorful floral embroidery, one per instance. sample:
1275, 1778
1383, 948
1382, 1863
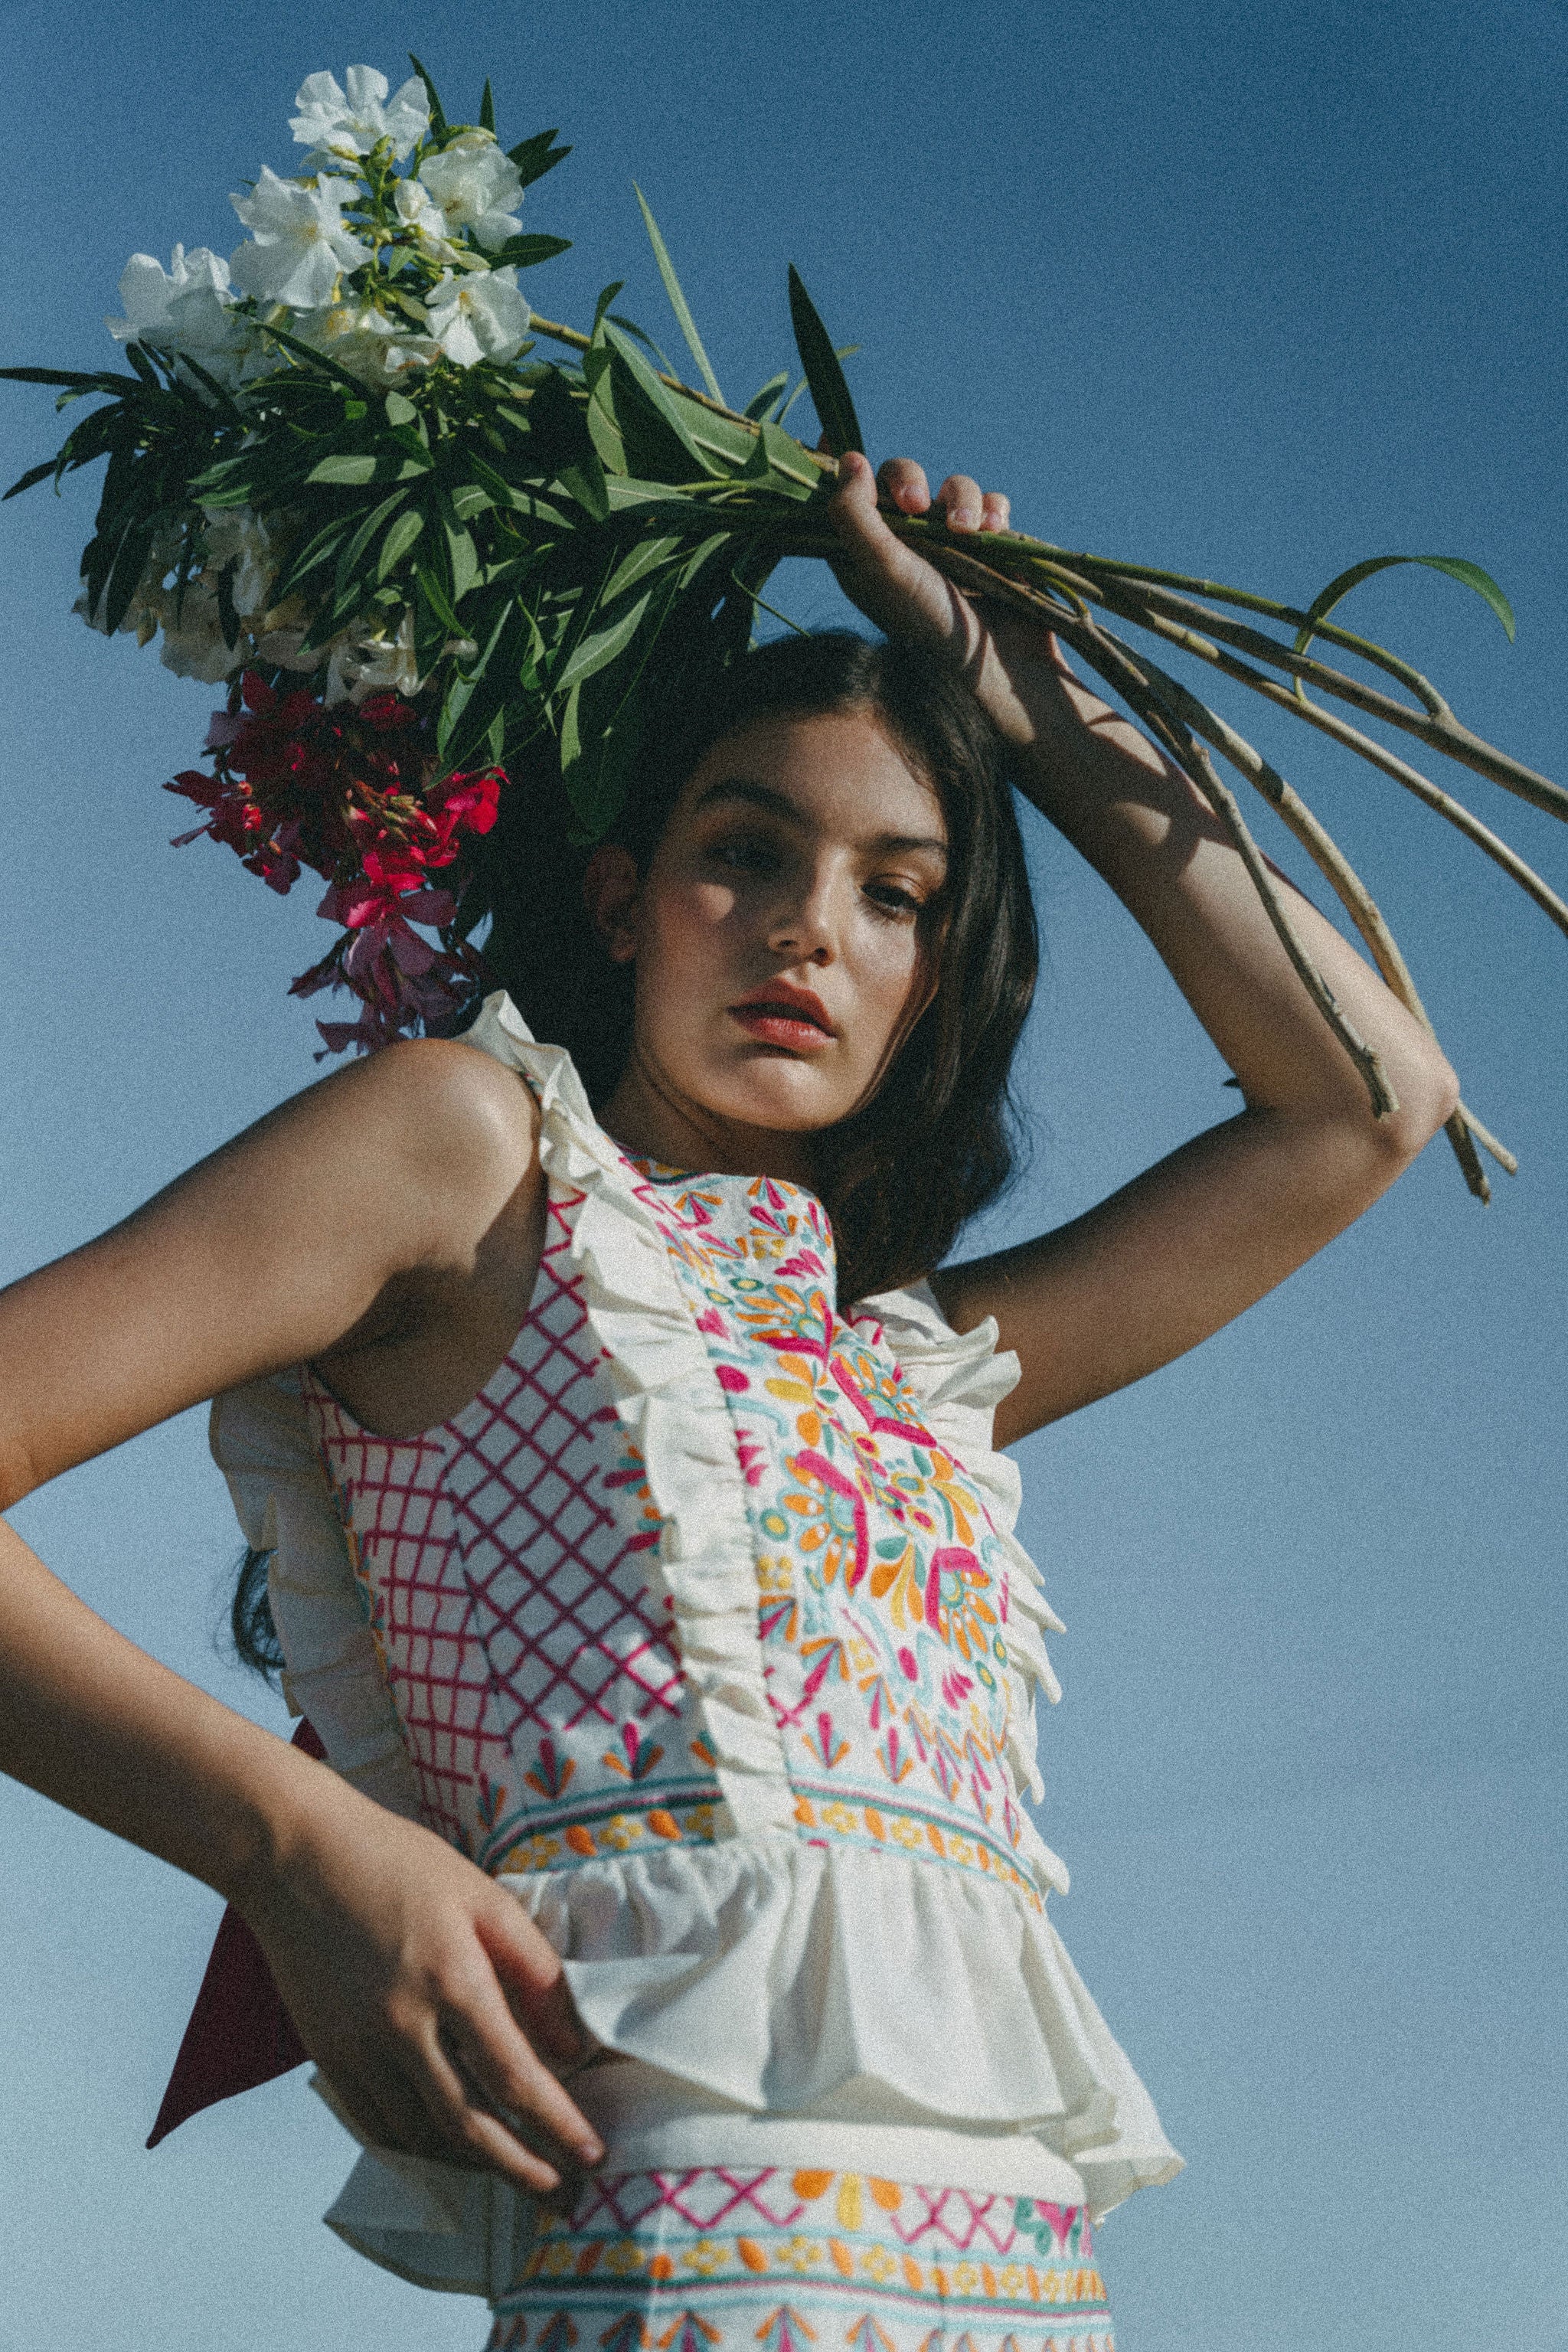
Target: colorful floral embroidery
724, 2261
882, 1585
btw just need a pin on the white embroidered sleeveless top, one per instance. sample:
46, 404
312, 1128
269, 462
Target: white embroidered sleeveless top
703, 1629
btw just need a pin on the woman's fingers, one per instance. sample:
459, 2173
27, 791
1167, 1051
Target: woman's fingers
471, 2131
509, 2076
903, 484
528, 1971
999, 511
960, 503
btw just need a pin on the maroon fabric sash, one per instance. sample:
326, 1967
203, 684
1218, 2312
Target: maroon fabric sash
240, 2035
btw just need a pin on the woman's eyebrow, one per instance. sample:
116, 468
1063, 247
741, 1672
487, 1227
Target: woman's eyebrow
779, 804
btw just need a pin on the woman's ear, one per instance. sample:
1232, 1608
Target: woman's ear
611, 890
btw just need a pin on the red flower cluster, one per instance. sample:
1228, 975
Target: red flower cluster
347, 792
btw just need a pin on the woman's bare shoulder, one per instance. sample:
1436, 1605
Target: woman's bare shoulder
272, 1250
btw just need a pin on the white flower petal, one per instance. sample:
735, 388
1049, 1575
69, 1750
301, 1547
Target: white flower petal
337, 123
301, 246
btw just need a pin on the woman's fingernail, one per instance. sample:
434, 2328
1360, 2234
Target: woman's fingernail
591, 2150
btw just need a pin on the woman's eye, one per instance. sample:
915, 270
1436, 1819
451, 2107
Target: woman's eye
744, 854
892, 898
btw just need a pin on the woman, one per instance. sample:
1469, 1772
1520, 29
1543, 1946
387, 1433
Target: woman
813, 979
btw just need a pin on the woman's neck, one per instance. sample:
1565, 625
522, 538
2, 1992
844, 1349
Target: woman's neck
650, 1118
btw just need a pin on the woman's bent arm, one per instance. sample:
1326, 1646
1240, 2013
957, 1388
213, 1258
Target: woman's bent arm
401, 1964
1188, 1244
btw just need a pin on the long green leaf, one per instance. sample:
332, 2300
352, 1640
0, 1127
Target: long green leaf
760, 402
600, 647
1458, 567
488, 108
830, 393
403, 535
33, 475
527, 252
665, 410
438, 118
678, 302
101, 380
535, 156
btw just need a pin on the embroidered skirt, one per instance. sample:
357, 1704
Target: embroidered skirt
796, 2261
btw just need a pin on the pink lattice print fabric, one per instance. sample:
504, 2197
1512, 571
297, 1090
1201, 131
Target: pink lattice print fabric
504, 1562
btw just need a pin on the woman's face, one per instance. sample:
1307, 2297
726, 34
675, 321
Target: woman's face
780, 952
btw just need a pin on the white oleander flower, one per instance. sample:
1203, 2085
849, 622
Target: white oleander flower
362, 663
345, 124
301, 246
194, 642
478, 316
365, 340
476, 187
234, 535
420, 214
189, 306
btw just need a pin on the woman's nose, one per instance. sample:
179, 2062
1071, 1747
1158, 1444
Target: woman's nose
804, 925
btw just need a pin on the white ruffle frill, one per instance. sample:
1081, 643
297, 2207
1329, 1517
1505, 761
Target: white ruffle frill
746, 1981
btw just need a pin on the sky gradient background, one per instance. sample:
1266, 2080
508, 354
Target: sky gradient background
1242, 289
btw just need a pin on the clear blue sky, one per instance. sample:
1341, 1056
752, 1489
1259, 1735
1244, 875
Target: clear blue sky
1249, 289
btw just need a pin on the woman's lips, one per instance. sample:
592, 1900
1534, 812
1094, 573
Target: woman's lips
788, 1018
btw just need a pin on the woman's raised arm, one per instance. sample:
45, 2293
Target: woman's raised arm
321, 1229
1183, 1249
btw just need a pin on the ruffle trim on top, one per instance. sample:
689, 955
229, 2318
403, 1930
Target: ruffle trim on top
960, 1378
755, 1971
261, 1441
675, 1411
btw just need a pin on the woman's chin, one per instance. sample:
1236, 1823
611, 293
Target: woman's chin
782, 1094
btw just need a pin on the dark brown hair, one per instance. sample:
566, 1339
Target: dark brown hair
902, 1175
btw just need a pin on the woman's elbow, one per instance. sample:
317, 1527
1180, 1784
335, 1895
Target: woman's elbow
1428, 1091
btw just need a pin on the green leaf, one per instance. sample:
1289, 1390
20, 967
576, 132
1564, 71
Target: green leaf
603, 302
586, 482
400, 411
683, 458
535, 156
760, 402
600, 647
353, 469
528, 252
829, 392
403, 535
1458, 567
125, 574
778, 460
71, 379
630, 327
374, 521
646, 556
434, 594
678, 302
488, 108
463, 557
656, 500
438, 118
33, 474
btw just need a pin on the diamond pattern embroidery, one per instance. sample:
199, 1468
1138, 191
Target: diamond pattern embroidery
559, 1578
423, 1616
508, 1582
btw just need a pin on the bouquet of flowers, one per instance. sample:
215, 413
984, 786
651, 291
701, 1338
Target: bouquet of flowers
344, 481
